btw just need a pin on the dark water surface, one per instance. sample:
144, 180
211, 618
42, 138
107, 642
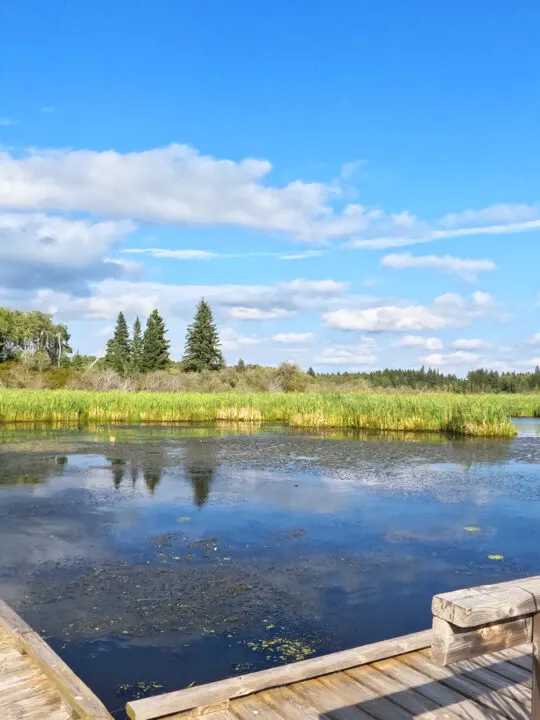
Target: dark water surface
152, 558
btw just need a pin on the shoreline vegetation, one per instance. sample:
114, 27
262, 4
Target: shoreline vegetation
473, 415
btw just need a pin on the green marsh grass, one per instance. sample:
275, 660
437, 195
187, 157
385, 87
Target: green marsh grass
480, 415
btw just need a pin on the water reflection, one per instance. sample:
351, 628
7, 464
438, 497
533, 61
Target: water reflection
307, 532
200, 463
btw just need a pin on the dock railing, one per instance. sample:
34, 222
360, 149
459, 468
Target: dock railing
489, 618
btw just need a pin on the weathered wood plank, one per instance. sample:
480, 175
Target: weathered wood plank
253, 708
472, 685
60, 678
182, 700
324, 698
488, 603
291, 705
442, 695
452, 643
536, 667
351, 686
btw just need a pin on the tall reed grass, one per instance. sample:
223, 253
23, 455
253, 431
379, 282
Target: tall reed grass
480, 415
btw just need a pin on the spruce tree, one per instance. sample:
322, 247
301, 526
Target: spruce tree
155, 346
136, 347
202, 350
118, 355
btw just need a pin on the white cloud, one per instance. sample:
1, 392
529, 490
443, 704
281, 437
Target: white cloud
6, 122
293, 338
174, 185
47, 110
231, 340
448, 310
177, 185
194, 254
493, 220
173, 254
467, 269
346, 355
471, 344
241, 302
535, 339
455, 358
302, 255
250, 313
38, 250
429, 343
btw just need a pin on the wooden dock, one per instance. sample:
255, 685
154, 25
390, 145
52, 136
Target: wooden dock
35, 684
480, 660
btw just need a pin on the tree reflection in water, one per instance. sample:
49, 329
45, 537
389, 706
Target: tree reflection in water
200, 465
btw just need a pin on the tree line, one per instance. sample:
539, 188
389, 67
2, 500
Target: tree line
35, 340
476, 381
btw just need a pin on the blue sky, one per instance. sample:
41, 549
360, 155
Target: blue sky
350, 184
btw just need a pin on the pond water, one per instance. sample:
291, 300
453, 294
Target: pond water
155, 557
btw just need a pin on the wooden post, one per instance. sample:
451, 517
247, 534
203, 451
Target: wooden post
536, 667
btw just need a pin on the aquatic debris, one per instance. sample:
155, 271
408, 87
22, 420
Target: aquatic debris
184, 519
282, 649
496, 557
471, 529
242, 667
137, 690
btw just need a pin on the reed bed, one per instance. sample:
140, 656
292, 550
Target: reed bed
478, 415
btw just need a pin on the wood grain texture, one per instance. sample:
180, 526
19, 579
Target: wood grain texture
488, 603
440, 693
536, 668
472, 684
39, 674
452, 643
182, 700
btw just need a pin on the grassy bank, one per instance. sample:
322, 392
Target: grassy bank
480, 415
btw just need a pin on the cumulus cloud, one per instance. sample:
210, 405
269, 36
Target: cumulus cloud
41, 251
471, 344
293, 338
535, 339
347, 355
232, 340
241, 302
429, 343
467, 269
177, 185
455, 358
448, 310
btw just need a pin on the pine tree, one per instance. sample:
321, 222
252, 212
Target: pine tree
136, 347
155, 346
311, 372
118, 355
202, 350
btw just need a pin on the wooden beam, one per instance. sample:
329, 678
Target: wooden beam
208, 695
451, 643
536, 667
74, 693
489, 603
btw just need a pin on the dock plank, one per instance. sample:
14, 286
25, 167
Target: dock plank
35, 684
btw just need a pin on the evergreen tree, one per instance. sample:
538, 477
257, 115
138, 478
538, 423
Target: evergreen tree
136, 347
202, 342
118, 355
155, 346
311, 372
240, 365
